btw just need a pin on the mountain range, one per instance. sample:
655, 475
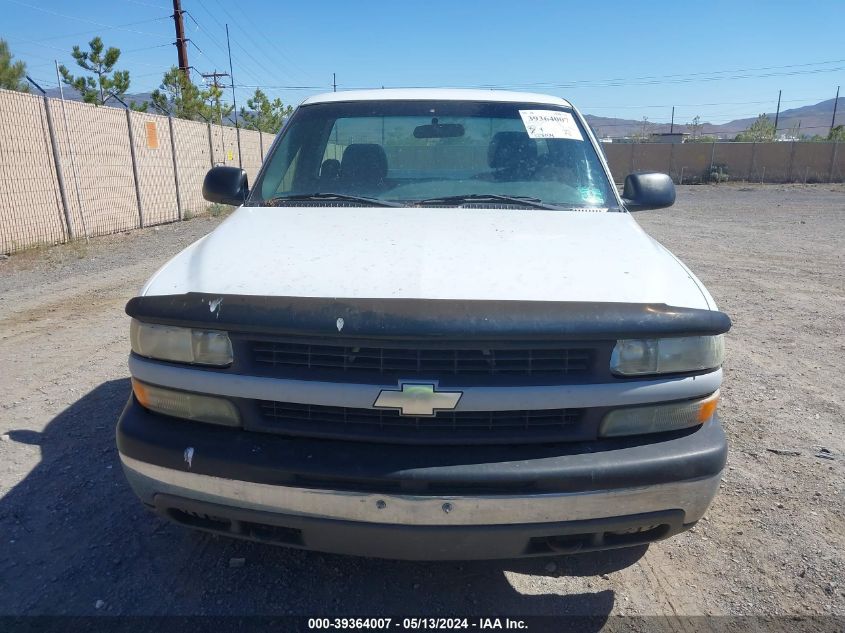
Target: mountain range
812, 119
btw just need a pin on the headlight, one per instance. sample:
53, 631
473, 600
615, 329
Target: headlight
179, 344
190, 406
658, 418
637, 357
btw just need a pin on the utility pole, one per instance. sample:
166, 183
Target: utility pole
334, 82
234, 101
833, 118
672, 124
215, 77
181, 42
777, 115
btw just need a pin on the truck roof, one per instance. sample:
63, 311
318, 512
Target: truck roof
436, 94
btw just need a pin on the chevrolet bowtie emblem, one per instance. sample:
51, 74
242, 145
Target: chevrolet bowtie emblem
413, 398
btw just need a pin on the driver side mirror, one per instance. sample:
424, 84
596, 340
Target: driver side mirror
226, 185
648, 190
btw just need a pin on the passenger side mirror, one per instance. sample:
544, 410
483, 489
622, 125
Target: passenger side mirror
226, 185
650, 190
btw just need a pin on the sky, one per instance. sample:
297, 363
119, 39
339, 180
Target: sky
719, 60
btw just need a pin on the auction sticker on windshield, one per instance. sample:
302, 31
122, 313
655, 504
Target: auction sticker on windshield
550, 124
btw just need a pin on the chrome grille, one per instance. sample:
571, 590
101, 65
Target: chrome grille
414, 361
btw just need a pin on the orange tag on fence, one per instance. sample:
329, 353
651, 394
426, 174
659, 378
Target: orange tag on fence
152, 135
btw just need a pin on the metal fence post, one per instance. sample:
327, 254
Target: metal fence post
135, 168
832, 161
175, 168
791, 161
261, 146
671, 158
633, 145
712, 157
753, 158
238, 135
59, 177
210, 143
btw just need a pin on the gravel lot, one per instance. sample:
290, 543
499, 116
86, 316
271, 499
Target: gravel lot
76, 541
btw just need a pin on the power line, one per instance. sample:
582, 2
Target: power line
265, 87
74, 17
653, 80
102, 28
147, 4
65, 51
681, 76
255, 60
217, 43
234, 22
257, 30
201, 52
145, 48
688, 105
244, 67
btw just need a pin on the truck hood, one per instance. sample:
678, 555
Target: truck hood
429, 253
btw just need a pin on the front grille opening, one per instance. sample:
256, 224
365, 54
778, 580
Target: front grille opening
572, 543
445, 426
414, 361
199, 520
245, 529
442, 421
642, 535
271, 533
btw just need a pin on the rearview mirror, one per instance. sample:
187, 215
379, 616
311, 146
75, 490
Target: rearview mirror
439, 130
225, 185
650, 190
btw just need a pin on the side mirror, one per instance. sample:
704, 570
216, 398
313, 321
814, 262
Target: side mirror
650, 190
226, 185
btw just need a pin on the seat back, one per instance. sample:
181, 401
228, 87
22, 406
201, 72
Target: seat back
363, 166
513, 154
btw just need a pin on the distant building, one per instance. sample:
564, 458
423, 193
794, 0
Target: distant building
669, 137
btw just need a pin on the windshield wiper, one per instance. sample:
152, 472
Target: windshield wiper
338, 197
524, 201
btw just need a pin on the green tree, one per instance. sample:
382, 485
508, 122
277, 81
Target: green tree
11, 73
695, 127
265, 115
100, 61
761, 130
645, 131
216, 106
837, 133
180, 97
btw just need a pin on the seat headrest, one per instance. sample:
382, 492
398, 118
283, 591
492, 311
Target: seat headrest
364, 163
330, 169
511, 150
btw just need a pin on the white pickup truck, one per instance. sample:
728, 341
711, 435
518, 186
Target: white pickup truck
431, 330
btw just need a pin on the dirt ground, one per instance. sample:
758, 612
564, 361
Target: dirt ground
76, 541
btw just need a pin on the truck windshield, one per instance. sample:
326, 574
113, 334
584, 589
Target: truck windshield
438, 153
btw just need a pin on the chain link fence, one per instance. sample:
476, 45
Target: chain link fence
28, 175
70, 170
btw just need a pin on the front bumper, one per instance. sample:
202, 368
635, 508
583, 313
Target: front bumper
420, 502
